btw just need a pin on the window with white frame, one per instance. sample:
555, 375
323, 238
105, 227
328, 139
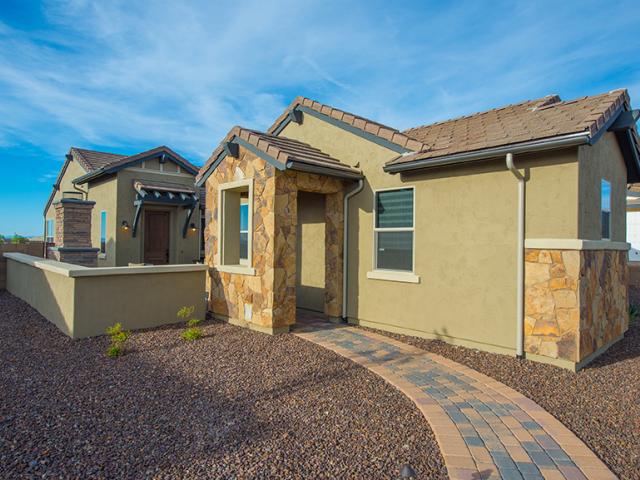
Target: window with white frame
103, 232
605, 208
394, 230
235, 223
50, 232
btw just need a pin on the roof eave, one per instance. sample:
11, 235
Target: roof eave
573, 139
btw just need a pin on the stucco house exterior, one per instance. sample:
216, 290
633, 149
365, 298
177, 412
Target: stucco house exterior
143, 208
503, 230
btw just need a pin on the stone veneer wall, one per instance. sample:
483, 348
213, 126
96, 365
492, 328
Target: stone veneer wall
73, 233
271, 292
575, 301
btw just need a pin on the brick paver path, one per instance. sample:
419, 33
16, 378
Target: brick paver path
484, 429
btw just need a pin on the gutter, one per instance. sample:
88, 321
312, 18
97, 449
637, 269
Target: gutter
520, 270
345, 245
573, 139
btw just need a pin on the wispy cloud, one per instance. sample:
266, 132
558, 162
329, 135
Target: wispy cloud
130, 75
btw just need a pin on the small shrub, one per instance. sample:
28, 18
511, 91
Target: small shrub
118, 337
193, 332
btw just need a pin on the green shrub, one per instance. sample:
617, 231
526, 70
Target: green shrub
193, 332
118, 337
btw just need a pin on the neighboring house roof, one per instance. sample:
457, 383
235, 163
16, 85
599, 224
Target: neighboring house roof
377, 132
521, 124
98, 164
130, 160
283, 153
92, 160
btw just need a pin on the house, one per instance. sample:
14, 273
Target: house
502, 230
143, 208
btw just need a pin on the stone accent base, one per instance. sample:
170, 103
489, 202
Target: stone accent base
253, 326
575, 302
86, 257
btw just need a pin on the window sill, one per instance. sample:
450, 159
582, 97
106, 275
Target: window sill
239, 269
393, 276
102, 256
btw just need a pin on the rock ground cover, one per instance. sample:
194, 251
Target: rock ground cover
235, 404
600, 404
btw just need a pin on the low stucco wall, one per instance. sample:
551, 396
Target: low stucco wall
83, 302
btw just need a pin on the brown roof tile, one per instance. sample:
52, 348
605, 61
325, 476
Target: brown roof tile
92, 160
364, 124
530, 120
282, 149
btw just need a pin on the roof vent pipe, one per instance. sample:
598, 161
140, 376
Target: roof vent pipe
520, 274
345, 245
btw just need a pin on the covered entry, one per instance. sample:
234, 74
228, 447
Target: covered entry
294, 196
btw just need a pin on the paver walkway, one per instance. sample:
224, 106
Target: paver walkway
484, 428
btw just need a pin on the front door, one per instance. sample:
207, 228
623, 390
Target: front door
156, 237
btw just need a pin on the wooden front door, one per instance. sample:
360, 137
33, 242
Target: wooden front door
156, 237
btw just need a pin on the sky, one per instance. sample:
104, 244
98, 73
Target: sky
127, 76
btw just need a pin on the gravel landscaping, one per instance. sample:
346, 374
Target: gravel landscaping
600, 404
235, 404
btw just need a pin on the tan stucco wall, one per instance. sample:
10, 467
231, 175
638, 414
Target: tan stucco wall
137, 301
465, 238
74, 170
310, 261
83, 306
104, 194
602, 161
130, 249
51, 294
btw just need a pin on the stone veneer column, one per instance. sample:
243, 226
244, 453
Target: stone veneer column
73, 233
575, 302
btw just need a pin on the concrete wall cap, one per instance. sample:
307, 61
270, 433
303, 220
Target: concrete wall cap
76, 271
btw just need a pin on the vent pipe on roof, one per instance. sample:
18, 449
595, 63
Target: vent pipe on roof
345, 245
520, 270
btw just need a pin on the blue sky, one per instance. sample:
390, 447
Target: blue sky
127, 76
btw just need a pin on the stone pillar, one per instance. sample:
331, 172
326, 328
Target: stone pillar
73, 233
334, 241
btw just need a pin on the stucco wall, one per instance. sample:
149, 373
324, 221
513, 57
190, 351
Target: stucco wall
602, 160
83, 302
465, 238
104, 194
310, 261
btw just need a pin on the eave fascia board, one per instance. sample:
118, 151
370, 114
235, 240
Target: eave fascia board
330, 172
340, 124
570, 140
225, 152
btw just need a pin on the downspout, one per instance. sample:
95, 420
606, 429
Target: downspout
520, 274
345, 244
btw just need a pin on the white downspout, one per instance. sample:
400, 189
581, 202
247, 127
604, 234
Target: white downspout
520, 275
345, 245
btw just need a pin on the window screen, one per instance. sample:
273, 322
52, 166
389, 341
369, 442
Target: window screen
394, 230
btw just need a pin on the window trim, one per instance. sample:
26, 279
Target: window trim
602, 180
245, 261
245, 268
103, 253
389, 274
50, 231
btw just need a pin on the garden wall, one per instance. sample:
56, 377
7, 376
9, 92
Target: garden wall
83, 302
35, 249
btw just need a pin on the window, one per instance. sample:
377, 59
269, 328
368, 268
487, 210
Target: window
244, 230
50, 232
394, 230
235, 226
103, 232
605, 209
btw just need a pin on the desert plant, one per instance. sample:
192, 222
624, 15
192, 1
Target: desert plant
192, 332
118, 337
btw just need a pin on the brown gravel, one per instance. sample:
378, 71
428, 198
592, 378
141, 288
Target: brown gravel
235, 404
600, 404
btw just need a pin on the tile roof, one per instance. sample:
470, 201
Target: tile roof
163, 186
285, 151
92, 160
530, 120
386, 133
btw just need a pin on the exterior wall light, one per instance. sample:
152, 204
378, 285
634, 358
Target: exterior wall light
125, 226
192, 227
